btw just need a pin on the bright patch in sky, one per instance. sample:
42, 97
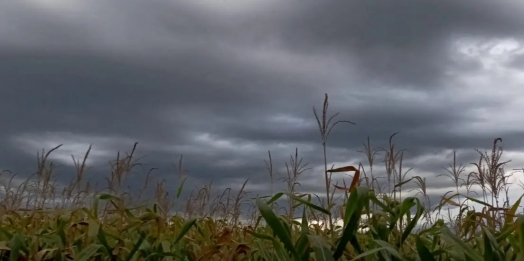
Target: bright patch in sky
490, 53
73, 145
290, 121
231, 6
57, 6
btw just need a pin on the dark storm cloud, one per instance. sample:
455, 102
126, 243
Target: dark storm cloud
399, 42
396, 42
166, 73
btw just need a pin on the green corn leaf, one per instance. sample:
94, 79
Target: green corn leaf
16, 244
262, 248
423, 251
354, 206
467, 197
302, 246
510, 215
488, 248
88, 252
520, 232
304, 227
281, 252
93, 229
368, 253
136, 247
278, 228
309, 204
275, 198
185, 228
388, 248
412, 223
6, 235
460, 245
321, 248
260, 236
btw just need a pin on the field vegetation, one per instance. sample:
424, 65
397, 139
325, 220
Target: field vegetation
370, 219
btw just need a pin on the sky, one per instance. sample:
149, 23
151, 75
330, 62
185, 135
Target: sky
222, 82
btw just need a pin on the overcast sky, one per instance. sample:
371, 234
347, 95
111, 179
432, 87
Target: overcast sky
224, 81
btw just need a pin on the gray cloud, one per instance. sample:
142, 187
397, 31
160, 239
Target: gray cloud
223, 84
401, 42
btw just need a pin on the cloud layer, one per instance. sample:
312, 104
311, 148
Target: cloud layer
224, 83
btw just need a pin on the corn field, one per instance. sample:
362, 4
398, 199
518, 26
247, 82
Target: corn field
368, 222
